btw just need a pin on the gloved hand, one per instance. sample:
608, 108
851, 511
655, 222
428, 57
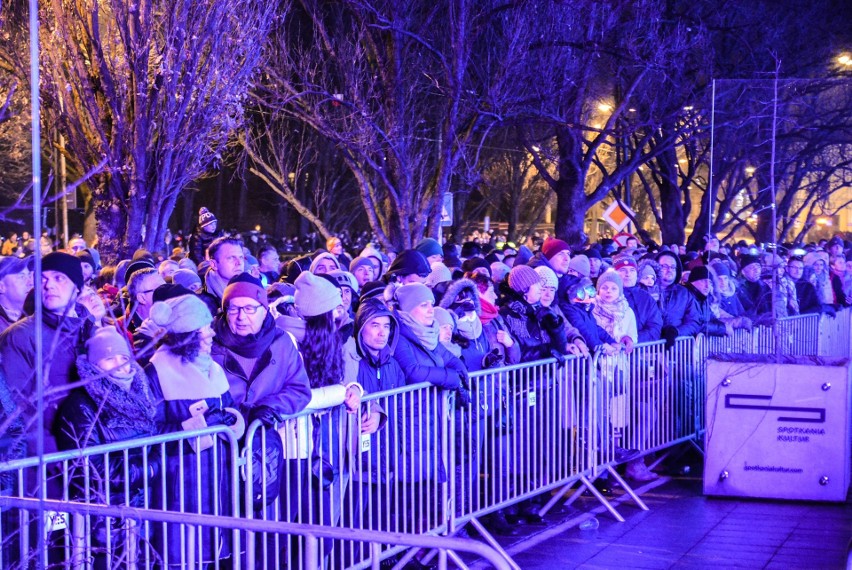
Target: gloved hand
268, 416
492, 359
219, 417
549, 320
669, 334
463, 396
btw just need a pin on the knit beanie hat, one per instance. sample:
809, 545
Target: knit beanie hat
372, 290
320, 257
360, 261
624, 261
187, 263
613, 276
440, 274
186, 278
648, 269
429, 247
698, 273
345, 279
746, 260
331, 242
136, 266
411, 295
580, 264
205, 217
183, 314
315, 295
499, 271
410, 262
66, 264
120, 270
444, 317
474, 263
548, 277
106, 342
470, 249
721, 268
96, 257
522, 277
552, 246
244, 285
168, 291
85, 257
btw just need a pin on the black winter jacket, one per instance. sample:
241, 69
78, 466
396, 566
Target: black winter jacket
649, 320
707, 321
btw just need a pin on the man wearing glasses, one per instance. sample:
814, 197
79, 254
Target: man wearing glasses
141, 291
680, 314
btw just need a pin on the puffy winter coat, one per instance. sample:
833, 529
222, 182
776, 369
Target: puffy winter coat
278, 379
707, 321
538, 330
180, 388
678, 308
755, 297
65, 337
422, 452
199, 241
91, 416
378, 373
580, 315
649, 320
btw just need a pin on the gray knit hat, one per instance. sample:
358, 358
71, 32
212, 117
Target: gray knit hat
187, 278
440, 274
611, 275
183, 314
411, 295
315, 295
580, 264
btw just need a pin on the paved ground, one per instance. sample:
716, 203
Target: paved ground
684, 529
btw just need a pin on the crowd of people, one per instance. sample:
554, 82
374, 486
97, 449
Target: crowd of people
222, 334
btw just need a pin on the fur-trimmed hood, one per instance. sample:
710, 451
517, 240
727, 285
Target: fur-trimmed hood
456, 288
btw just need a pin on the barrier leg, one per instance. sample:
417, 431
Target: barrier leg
614, 474
555, 499
601, 499
493, 543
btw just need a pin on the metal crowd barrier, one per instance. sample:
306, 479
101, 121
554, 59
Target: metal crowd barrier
531, 429
182, 472
331, 474
312, 534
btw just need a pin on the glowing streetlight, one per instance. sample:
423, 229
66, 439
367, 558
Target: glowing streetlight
749, 170
845, 60
604, 107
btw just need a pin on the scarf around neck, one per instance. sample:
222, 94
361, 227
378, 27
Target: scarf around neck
470, 330
608, 314
250, 346
489, 311
428, 336
119, 408
215, 284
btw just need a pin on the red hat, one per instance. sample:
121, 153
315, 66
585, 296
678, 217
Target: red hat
624, 261
552, 246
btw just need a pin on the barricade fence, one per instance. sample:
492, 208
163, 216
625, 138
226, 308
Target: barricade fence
432, 466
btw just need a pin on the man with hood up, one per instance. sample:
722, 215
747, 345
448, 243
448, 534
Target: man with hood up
370, 361
680, 315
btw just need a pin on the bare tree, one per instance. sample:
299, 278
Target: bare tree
603, 97
156, 89
387, 84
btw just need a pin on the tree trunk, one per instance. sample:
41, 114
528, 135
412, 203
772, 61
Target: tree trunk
571, 200
112, 226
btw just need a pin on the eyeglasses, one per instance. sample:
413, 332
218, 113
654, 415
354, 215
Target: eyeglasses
248, 309
586, 292
668, 267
